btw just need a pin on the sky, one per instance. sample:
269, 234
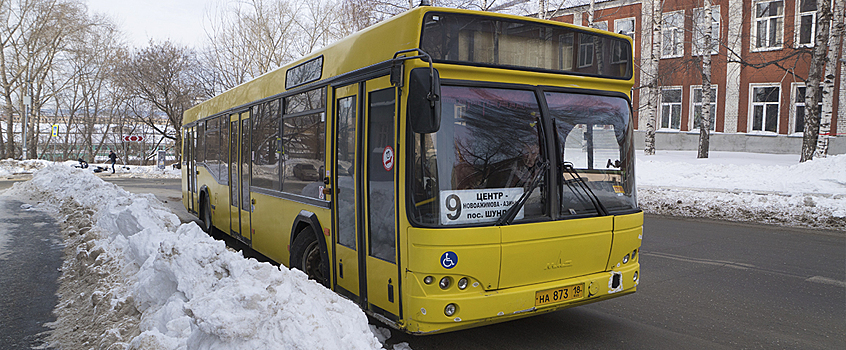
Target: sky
189, 291
181, 21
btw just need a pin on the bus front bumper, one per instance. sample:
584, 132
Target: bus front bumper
475, 306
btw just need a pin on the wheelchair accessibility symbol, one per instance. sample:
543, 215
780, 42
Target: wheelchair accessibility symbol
449, 260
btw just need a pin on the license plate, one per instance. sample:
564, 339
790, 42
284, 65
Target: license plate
555, 295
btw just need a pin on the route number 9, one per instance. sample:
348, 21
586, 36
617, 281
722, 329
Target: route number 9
453, 204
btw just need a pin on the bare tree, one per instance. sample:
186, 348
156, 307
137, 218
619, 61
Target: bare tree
316, 25
705, 116
86, 96
161, 82
249, 38
812, 85
650, 74
14, 15
355, 15
828, 81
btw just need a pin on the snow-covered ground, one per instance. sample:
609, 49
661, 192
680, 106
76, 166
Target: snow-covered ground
766, 188
134, 277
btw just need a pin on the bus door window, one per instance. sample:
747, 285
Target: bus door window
233, 163
346, 183
381, 175
244, 163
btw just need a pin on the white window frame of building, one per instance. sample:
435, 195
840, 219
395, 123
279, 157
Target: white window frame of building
696, 107
768, 18
670, 109
672, 34
586, 51
699, 30
617, 54
798, 101
757, 104
619, 23
806, 22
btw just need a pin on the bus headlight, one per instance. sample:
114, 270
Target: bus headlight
626, 259
445, 282
428, 280
449, 310
462, 283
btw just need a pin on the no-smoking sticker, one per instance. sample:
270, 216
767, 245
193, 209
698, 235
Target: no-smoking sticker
388, 158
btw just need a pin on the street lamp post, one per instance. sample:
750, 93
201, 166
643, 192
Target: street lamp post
27, 106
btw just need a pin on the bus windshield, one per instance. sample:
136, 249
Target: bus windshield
489, 148
524, 45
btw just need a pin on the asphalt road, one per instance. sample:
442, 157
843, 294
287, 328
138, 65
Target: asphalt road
30, 258
704, 285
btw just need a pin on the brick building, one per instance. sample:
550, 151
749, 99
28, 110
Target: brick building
757, 108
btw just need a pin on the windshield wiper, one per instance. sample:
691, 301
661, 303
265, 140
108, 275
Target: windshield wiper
512, 211
576, 178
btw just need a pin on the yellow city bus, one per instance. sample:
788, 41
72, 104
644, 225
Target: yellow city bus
443, 169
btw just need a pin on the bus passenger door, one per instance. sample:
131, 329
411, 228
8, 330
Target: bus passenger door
378, 158
240, 205
365, 246
346, 196
191, 167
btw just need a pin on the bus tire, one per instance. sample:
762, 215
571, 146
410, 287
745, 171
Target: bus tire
205, 215
306, 256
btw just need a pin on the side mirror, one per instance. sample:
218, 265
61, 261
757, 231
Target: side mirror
424, 100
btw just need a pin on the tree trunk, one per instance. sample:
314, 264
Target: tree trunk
828, 81
705, 117
652, 75
812, 85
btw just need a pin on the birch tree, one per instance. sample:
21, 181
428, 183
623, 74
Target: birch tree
819, 57
705, 116
650, 74
828, 80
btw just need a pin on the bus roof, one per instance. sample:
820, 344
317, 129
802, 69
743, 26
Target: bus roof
369, 46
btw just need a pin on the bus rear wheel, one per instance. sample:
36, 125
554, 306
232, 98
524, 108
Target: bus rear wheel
306, 256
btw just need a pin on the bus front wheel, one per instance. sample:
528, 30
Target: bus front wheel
306, 256
205, 215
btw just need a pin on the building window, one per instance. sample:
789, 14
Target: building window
769, 24
602, 25
807, 21
765, 108
626, 27
700, 25
671, 107
799, 110
697, 107
672, 31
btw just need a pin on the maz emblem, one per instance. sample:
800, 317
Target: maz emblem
559, 264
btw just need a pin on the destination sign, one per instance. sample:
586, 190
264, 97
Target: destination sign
477, 206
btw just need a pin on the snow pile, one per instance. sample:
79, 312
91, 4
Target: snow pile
135, 278
749, 187
9, 167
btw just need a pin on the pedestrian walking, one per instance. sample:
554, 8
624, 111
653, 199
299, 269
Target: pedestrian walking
113, 159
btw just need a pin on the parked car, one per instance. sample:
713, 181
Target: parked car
306, 172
